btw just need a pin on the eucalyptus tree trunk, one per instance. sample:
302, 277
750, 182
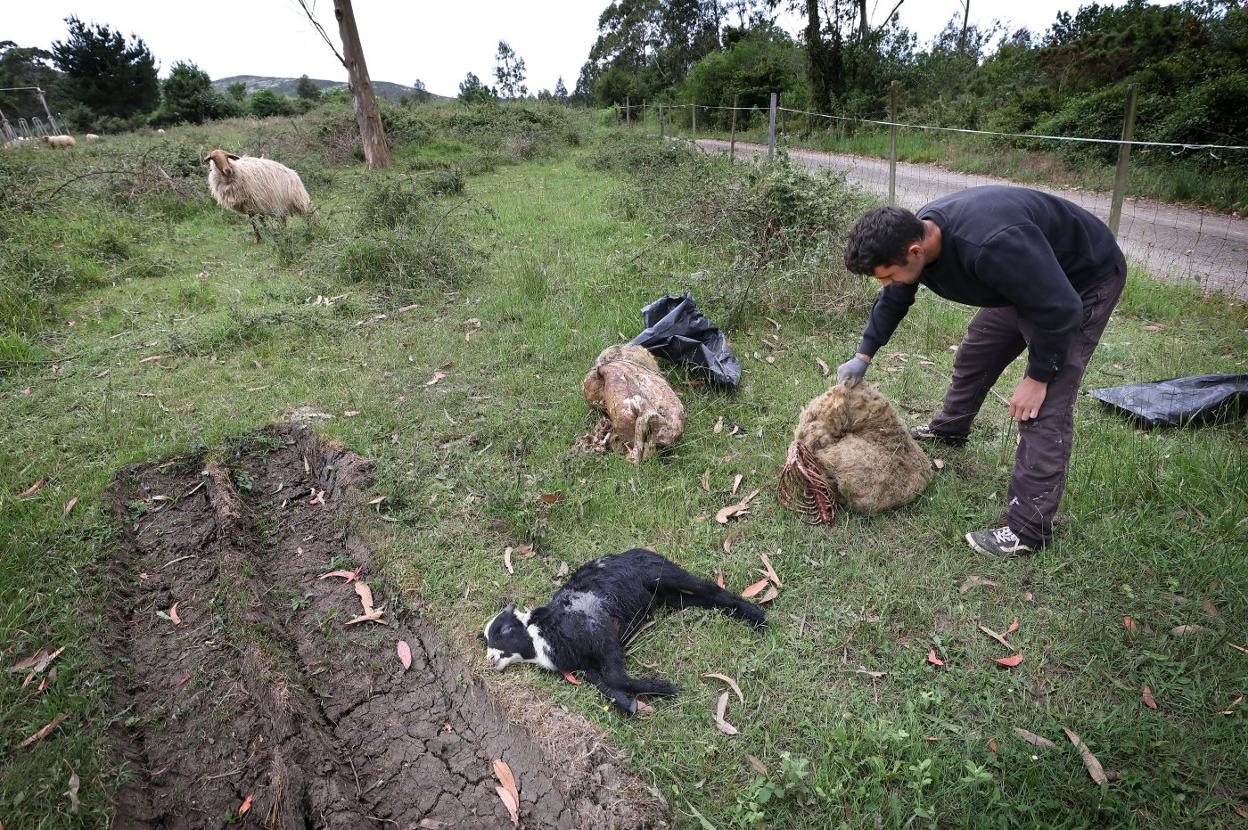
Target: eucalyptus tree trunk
372, 133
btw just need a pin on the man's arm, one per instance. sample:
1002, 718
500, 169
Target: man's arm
890, 306
1019, 262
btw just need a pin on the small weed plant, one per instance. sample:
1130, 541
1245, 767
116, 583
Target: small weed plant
793, 788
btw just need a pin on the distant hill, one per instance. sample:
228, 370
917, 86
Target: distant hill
286, 86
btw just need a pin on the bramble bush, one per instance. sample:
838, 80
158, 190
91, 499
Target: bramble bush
773, 224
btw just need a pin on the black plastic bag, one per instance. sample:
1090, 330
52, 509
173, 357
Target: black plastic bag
1178, 401
675, 329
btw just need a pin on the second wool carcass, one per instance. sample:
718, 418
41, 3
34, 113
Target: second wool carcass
643, 413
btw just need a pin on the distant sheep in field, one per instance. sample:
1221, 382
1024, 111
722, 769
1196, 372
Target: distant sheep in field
59, 140
91, 137
161, 131
256, 187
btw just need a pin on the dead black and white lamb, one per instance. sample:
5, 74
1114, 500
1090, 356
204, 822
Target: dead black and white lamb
590, 619
256, 187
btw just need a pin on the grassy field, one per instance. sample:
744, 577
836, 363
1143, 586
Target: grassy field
1155, 174
511, 288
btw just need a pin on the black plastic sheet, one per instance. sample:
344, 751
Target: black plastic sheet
1179, 401
675, 329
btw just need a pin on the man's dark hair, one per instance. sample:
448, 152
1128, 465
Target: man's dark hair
880, 239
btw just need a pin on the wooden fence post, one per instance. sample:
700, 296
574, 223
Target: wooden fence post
892, 144
694, 117
732, 143
628, 112
662, 126
1124, 163
771, 126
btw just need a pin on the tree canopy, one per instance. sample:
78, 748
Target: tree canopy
27, 66
264, 103
307, 89
509, 72
1190, 60
472, 91
106, 72
187, 96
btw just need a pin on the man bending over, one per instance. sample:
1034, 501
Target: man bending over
1046, 275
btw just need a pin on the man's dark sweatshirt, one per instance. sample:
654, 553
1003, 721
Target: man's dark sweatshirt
1009, 246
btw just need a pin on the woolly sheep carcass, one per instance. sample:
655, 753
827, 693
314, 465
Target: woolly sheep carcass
256, 187
643, 413
851, 448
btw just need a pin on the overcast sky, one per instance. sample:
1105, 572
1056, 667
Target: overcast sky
438, 42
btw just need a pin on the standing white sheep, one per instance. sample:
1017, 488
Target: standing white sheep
59, 140
256, 187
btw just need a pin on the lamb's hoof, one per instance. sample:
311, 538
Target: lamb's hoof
755, 616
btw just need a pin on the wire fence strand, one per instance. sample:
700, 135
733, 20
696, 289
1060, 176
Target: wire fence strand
1174, 242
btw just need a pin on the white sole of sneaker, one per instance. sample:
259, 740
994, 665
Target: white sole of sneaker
975, 546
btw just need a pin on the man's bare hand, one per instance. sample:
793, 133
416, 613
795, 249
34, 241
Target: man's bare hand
1027, 398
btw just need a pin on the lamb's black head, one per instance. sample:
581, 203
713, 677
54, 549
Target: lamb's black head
507, 638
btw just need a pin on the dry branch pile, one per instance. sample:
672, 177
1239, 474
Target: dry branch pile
642, 412
851, 448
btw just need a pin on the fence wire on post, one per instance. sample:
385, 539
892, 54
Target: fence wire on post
1124, 163
1173, 242
771, 126
892, 145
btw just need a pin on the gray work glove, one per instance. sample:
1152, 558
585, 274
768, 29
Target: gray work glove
852, 371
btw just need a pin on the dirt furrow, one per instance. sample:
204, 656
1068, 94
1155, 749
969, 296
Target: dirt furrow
249, 695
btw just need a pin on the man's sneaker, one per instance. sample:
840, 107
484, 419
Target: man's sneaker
998, 541
925, 434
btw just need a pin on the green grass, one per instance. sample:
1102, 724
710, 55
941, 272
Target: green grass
1153, 173
1155, 522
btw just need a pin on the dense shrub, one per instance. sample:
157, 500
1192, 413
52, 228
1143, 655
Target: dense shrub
264, 103
427, 136
391, 202
187, 96
773, 224
404, 258
403, 236
750, 69
443, 182
515, 128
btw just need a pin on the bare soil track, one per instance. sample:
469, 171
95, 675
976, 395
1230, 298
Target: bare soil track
262, 695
